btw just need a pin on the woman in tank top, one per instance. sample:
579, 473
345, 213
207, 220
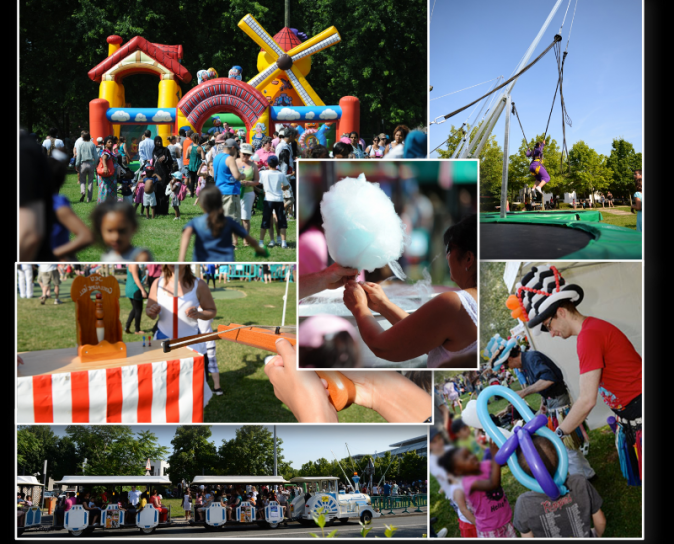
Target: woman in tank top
193, 294
445, 327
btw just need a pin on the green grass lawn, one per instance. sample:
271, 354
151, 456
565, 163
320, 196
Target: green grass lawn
162, 234
248, 394
621, 503
627, 221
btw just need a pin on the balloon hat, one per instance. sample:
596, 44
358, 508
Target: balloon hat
539, 294
552, 486
507, 346
492, 346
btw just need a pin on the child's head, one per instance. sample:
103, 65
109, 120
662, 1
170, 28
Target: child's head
460, 462
272, 161
546, 451
115, 224
210, 200
460, 429
437, 441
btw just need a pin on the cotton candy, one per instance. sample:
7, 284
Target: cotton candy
361, 227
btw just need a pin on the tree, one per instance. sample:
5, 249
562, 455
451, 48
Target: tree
496, 317
381, 58
251, 452
114, 449
623, 161
491, 158
37, 443
193, 454
588, 170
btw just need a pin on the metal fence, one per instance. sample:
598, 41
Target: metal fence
387, 505
251, 271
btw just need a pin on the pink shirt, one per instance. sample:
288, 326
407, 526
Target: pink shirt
262, 154
491, 508
69, 503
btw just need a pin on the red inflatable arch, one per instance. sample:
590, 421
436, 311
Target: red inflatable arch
223, 95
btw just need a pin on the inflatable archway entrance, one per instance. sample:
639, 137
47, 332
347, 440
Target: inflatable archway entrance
224, 95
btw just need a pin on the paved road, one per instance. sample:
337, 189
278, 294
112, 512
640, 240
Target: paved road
409, 526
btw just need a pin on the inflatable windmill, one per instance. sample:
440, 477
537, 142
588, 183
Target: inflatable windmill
285, 61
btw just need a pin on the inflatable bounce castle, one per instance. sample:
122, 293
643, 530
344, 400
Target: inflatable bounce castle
279, 93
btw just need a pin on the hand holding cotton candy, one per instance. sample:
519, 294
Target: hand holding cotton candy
361, 227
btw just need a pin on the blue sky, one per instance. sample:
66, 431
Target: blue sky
471, 42
302, 443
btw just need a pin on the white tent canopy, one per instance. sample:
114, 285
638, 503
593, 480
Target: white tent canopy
300, 479
27, 480
242, 480
114, 480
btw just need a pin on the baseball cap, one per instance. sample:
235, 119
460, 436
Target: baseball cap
220, 138
230, 143
247, 149
272, 160
99, 139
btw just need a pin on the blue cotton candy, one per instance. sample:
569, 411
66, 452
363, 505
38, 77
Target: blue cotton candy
361, 227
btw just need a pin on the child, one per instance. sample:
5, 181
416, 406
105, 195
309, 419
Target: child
149, 198
173, 190
449, 485
465, 439
289, 202
224, 269
274, 183
537, 169
115, 224
138, 193
213, 232
204, 172
570, 516
481, 482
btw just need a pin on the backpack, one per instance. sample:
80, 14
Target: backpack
52, 146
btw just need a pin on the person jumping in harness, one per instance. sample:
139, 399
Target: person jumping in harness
537, 169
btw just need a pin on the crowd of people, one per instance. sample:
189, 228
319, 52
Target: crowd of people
197, 499
130, 502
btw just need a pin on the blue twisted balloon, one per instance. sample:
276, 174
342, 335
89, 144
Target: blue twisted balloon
543, 482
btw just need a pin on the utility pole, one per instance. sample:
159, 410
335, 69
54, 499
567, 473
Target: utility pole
286, 15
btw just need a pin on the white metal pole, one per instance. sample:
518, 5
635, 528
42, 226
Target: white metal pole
507, 90
285, 297
506, 142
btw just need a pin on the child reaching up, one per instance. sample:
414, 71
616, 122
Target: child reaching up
213, 232
274, 183
115, 224
481, 482
570, 516
450, 486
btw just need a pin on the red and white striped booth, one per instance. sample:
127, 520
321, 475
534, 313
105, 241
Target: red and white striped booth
146, 387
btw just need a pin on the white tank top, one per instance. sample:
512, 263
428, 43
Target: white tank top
440, 355
186, 326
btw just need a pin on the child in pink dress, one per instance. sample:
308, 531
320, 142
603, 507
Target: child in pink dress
138, 193
481, 483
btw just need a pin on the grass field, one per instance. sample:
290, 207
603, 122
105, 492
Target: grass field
162, 234
627, 221
621, 503
248, 394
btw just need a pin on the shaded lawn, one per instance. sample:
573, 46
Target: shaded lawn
162, 234
621, 503
248, 394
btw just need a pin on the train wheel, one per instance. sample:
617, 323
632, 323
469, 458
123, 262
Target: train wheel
343, 520
79, 533
272, 525
147, 530
366, 517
